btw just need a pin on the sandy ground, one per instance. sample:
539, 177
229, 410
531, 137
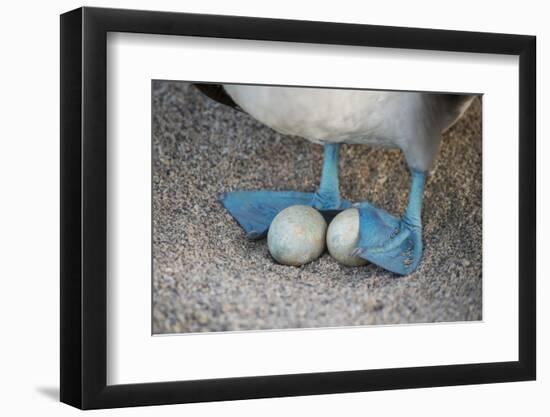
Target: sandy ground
208, 277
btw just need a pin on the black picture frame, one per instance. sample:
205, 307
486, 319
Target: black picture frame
84, 209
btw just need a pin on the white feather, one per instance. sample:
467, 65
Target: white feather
412, 122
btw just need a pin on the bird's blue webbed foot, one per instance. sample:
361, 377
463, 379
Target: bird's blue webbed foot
255, 210
393, 243
387, 241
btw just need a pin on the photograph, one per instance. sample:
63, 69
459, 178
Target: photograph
260, 206
295, 207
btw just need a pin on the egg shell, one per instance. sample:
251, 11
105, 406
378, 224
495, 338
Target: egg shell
297, 235
343, 236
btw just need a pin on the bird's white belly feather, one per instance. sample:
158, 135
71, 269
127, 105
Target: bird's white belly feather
328, 115
410, 121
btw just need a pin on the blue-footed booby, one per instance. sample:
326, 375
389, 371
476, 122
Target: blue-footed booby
411, 121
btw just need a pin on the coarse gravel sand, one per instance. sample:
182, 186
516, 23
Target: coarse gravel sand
208, 277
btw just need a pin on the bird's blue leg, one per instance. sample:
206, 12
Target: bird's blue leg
255, 210
389, 242
327, 198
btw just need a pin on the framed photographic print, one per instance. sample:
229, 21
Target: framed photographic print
257, 208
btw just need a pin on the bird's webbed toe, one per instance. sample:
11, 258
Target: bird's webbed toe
392, 243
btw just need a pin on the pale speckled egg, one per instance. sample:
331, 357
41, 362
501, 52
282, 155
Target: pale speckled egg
342, 237
297, 235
